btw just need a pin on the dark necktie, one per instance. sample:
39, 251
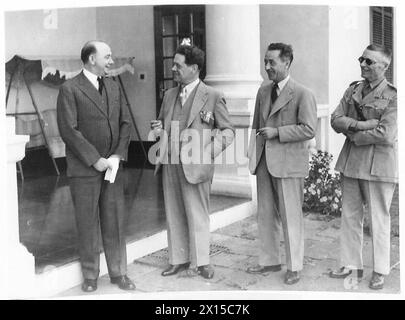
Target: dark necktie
274, 94
100, 85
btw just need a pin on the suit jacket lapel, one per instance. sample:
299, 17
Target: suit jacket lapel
285, 96
356, 95
172, 100
266, 103
199, 101
110, 97
91, 92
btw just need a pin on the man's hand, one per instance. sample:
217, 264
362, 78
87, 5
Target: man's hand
367, 125
349, 135
102, 165
156, 124
268, 132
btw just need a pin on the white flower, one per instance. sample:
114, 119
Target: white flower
186, 41
318, 180
305, 191
318, 192
313, 192
338, 192
336, 200
335, 206
323, 199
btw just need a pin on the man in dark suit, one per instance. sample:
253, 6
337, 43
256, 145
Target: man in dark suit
284, 122
94, 124
192, 107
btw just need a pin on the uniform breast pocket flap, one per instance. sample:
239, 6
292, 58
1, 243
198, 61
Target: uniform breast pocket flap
375, 109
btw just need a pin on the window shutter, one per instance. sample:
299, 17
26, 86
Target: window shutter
382, 32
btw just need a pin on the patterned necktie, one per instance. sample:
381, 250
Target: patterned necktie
183, 96
100, 85
274, 94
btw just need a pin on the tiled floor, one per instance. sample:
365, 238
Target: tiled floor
47, 222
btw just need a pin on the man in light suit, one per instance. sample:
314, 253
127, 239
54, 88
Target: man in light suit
367, 116
197, 111
283, 124
94, 124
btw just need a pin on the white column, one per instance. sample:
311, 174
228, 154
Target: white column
233, 66
17, 267
343, 51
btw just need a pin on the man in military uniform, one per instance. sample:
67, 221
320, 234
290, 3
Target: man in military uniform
367, 116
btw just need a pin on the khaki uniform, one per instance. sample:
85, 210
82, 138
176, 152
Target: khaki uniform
369, 165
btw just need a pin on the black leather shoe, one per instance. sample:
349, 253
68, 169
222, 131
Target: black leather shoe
206, 272
291, 277
344, 272
89, 285
264, 269
174, 268
123, 282
377, 281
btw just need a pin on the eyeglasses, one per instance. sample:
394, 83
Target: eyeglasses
368, 61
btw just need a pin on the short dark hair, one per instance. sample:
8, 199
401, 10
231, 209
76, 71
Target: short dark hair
192, 54
286, 50
387, 53
88, 49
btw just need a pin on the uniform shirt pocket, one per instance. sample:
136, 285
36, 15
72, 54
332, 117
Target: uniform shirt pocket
375, 109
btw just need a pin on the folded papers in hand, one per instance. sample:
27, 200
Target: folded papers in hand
111, 173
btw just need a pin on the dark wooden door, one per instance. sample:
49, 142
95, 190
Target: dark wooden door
172, 25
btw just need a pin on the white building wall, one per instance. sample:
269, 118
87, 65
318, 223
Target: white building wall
41, 33
349, 35
129, 31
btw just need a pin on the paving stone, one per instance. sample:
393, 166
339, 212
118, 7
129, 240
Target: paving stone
317, 249
158, 259
236, 244
189, 284
229, 260
246, 229
240, 280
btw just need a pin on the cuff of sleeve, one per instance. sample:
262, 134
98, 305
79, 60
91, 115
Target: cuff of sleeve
92, 163
352, 126
280, 134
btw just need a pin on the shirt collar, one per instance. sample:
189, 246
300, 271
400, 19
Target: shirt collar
92, 77
283, 82
375, 83
190, 87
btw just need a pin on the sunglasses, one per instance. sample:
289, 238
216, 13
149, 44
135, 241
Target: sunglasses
368, 61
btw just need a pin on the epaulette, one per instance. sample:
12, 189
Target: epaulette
392, 86
357, 82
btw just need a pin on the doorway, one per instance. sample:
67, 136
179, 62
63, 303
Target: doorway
172, 25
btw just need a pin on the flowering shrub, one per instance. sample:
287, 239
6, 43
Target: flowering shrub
322, 190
